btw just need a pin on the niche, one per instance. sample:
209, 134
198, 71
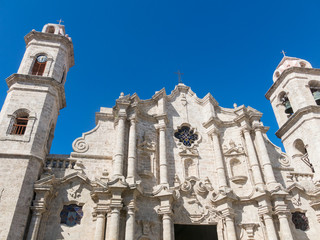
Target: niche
238, 172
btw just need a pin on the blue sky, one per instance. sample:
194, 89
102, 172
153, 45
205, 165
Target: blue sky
228, 48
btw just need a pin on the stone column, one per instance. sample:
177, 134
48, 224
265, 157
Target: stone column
231, 230
271, 230
100, 226
167, 226
253, 159
119, 150
265, 212
264, 157
228, 215
115, 206
114, 224
219, 162
107, 234
34, 224
131, 221
285, 231
282, 211
132, 152
162, 119
165, 210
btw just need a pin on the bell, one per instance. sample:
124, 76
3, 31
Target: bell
316, 96
288, 108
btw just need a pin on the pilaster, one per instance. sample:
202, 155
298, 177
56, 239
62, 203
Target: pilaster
264, 157
132, 152
162, 121
281, 210
220, 168
254, 163
38, 208
118, 159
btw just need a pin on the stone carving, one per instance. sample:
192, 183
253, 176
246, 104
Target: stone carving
233, 149
284, 160
192, 201
147, 156
146, 229
250, 229
183, 99
75, 192
296, 200
80, 145
105, 176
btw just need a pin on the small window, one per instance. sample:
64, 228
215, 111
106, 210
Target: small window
39, 65
186, 136
300, 221
20, 124
71, 215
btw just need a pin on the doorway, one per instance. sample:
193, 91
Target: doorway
195, 232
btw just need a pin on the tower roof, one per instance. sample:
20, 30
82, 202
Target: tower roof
288, 62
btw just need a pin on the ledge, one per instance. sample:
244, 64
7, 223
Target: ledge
50, 38
285, 73
39, 80
295, 117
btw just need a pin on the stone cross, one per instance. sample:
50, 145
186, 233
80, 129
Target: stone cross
60, 21
284, 53
179, 76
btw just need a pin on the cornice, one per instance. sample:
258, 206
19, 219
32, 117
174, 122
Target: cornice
295, 117
52, 38
285, 73
39, 80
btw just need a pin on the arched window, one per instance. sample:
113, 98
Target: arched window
50, 29
300, 147
300, 221
20, 124
39, 65
71, 215
315, 90
286, 103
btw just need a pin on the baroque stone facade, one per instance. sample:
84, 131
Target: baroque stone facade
171, 167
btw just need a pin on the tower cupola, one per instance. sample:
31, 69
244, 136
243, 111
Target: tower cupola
289, 62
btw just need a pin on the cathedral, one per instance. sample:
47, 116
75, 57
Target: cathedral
171, 167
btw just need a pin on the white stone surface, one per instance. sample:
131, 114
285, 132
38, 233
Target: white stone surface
134, 179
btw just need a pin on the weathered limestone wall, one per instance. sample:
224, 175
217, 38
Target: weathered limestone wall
17, 175
72, 192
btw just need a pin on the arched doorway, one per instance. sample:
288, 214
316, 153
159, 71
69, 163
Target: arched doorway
195, 232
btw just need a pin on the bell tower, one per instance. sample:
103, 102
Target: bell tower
295, 99
27, 122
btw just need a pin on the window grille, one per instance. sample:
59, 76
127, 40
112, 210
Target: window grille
20, 125
71, 215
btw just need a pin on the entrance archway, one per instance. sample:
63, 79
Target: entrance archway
195, 232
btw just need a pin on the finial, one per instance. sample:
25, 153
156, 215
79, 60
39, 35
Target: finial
179, 76
284, 53
60, 21
235, 105
121, 95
